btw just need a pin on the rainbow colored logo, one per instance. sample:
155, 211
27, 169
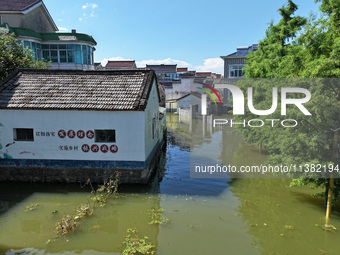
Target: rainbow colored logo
213, 90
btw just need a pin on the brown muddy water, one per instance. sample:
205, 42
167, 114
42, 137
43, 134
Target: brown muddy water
207, 215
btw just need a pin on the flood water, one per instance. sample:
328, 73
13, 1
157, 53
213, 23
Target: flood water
207, 216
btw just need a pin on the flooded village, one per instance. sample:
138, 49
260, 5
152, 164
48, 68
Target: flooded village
115, 158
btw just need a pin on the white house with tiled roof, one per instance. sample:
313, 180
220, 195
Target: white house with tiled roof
68, 125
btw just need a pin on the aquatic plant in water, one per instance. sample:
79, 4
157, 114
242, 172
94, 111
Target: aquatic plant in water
31, 207
157, 217
137, 245
69, 223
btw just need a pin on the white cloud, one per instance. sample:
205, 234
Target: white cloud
89, 5
215, 65
167, 61
63, 29
88, 11
105, 60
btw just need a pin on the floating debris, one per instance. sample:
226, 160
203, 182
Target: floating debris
31, 207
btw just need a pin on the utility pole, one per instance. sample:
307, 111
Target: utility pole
331, 178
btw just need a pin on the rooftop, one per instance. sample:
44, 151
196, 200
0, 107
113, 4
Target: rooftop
182, 69
67, 37
203, 74
17, 5
113, 90
163, 68
242, 51
121, 64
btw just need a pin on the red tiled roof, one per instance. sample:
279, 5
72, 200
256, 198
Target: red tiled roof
182, 69
120, 64
17, 5
203, 74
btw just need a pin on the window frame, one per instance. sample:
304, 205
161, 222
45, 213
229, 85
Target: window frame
105, 133
236, 69
29, 136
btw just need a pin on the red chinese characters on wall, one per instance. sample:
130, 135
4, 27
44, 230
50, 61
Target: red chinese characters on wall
90, 134
81, 134
114, 148
104, 148
62, 133
85, 148
95, 148
71, 134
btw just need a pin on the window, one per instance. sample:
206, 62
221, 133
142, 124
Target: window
105, 136
236, 71
67, 53
23, 134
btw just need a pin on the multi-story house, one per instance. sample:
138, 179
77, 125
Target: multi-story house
32, 25
235, 62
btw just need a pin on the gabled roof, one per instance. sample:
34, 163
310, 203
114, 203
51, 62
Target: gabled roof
116, 90
203, 74
17, 5
121, 64
182, 69
163, 68
25, 6
242, 51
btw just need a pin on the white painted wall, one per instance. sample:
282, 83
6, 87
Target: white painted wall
152, 113
130, 134
183, 88
185, 102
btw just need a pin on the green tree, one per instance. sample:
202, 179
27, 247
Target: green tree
299, 48
12, 56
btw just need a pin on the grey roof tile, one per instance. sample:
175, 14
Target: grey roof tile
77, 90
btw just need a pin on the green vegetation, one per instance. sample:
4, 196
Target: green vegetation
31, 207
70, 223
12, 56
157, 217
137, 245
299, 48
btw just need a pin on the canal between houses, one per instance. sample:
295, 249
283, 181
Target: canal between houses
207, 216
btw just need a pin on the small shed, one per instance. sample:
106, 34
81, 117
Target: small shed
71, 125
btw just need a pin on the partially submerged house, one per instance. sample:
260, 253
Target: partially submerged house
71, 125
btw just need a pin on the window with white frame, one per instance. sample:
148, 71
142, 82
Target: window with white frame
236, 71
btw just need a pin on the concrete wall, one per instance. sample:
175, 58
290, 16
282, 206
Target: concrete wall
35, 19
47, 145
153, 129
181, 89
72, 66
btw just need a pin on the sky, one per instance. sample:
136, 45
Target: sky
189, 33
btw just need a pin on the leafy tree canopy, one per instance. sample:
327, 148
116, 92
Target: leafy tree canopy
307, 50
12, 56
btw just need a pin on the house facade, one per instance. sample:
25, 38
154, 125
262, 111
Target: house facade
31, 24
70, 126
235, 62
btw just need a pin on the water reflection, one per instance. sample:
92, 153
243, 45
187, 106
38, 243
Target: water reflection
207, 216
